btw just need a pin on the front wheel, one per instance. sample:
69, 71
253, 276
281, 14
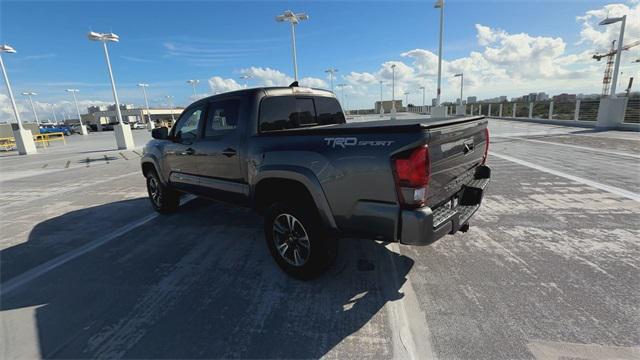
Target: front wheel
164, 199
298, 241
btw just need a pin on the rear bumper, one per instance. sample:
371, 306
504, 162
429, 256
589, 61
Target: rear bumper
425, 225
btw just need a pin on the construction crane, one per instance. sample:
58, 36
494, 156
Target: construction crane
606, 81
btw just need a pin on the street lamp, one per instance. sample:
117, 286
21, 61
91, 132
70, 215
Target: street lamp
53, 111
341, 86
124, 138
616, 69
331, 71
294, 19
83, 130
170, 100
393, 91
30, 94
440, 5
22, 136
423, 95
461, 76
381, 106
246, 79
193, 85
146, 103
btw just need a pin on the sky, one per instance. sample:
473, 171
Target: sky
503, 48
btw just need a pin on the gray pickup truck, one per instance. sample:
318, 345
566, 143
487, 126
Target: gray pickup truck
288, 153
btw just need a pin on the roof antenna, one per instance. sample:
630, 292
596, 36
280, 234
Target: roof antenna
294, 84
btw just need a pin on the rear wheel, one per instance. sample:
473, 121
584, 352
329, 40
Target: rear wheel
298, 241
163, 198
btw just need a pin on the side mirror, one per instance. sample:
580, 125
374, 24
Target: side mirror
160, 133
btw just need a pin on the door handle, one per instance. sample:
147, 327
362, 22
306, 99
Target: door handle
229, 152
188, 151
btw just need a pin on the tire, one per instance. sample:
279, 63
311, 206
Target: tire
164, 199
298, 241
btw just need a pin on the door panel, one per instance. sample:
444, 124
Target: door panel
181, 155
219, 160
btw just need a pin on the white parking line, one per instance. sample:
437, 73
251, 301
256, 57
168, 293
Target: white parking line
11, 285
410, 333
574, 146
611, 189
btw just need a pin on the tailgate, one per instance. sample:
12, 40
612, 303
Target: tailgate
455, 150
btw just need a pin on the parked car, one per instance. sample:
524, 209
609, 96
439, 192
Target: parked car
289, 154
51, 128
138, 126
75, 128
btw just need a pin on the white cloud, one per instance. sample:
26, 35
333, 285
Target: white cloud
508, 64
220, 85
44, 109
262, 76
602, 36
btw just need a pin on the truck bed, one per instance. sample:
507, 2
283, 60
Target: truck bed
378, 126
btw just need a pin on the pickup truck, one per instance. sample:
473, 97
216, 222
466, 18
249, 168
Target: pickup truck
288, 153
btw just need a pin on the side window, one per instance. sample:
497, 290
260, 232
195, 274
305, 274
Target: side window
286, 112
187, 127
223, 117
329, 111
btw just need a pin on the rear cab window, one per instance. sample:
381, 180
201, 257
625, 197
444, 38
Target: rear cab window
289, 112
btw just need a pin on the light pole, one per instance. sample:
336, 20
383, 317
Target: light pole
423, 96
30, 94
616, 69
381, 106
83, 130
146, 103
170, 101
193, 85
341, 86
53, 111
331, 71
246, 80
294, 19
440, 5
461, 76
22, 136
124, 138
393, 91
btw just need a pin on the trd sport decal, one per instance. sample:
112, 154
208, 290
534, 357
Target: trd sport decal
343, 142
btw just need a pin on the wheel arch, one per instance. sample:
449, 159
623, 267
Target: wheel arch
273, 184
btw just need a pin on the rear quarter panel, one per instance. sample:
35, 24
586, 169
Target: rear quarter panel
354, 172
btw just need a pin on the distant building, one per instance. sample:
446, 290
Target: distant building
542, 96
472, 99
587, 96
386, 105
104, 115
497, 99
564, 97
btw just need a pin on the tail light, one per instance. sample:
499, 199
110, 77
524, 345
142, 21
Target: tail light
486, 146
412, 171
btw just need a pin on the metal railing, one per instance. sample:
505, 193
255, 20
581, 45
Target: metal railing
579, 110
45, 139
632, 113
588, 110
7, 143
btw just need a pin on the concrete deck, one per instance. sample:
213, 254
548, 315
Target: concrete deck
549, 269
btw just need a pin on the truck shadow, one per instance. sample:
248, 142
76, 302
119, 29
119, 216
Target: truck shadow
196, 284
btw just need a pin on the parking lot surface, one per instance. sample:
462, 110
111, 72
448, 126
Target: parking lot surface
549, 269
